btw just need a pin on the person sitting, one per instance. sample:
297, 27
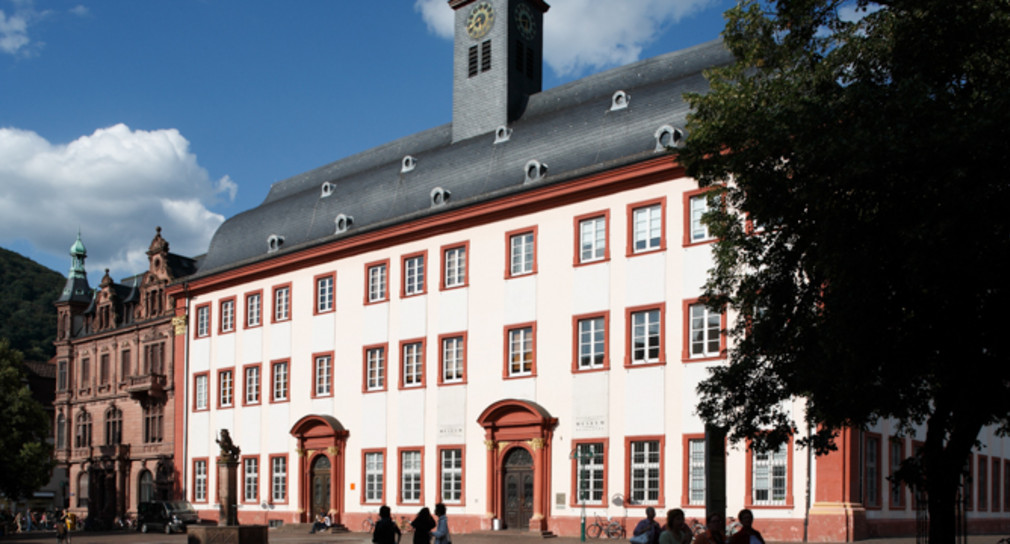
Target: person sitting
321, 524
715, 531
677, 531
648, 526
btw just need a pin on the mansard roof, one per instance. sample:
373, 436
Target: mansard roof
572, 129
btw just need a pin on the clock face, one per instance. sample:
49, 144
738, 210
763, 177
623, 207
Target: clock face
480, 20
525, 22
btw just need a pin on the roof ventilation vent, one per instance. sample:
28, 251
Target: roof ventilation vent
502, 134
535, 171
407, 164
439, 196
343, 222
668, 137
619, 101
274, 243
328, 189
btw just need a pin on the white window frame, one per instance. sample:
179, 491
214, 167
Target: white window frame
374, 471
705, 332
410, 476
453, 359
203, 321
324, 294
520, 350
324, 375
413, 364
279, 381
250, 479
377, 282
592, 239
279, 479
644, 472
455, 266
697, 207
228, 315
200, 392
451, 463
696, 471
200, 481
282, 303
522, 247
254, 305
375, 369
646, 336
647, 228
770, 477
592, 342
590, 473
252, 384
413, 275
226, 386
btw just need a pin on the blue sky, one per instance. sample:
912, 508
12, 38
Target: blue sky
120, 116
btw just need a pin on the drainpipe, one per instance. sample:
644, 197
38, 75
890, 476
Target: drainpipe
810, 464
185, 395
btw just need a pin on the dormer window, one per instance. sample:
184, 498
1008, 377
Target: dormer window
274, 243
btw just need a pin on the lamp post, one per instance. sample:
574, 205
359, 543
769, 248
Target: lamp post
583, 481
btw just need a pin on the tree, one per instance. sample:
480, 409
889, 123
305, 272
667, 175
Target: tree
866, 145
25, 452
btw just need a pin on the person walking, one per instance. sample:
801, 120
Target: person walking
423, 524
386, 531
441, 533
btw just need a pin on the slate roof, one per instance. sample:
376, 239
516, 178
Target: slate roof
569, 128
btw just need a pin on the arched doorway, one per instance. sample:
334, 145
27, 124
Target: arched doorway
518, 435
321, 442
320, 486
517, 488
146, 490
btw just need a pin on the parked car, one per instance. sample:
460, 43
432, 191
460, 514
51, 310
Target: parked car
168, 516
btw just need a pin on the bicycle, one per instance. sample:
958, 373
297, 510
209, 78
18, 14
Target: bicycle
611, 527
404, 525
368, 525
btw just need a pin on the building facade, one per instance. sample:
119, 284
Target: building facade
500, 314
115, 399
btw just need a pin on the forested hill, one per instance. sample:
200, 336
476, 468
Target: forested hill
27, 314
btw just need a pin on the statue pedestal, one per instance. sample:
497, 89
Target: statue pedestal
227, 494
236, 534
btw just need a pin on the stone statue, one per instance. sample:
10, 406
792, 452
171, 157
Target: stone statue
229, 451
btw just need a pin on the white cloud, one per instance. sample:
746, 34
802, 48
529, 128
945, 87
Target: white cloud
116, 185
587, 35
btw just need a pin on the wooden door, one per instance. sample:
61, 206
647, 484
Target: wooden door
320, 487
517, 487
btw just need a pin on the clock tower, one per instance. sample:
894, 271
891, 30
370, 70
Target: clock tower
497, 62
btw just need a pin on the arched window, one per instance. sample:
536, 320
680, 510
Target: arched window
61, 432
82, 437
146, 491
113, 426
82, 490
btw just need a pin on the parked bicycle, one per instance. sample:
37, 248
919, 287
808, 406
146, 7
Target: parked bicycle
404, 525
611, 527
368, 525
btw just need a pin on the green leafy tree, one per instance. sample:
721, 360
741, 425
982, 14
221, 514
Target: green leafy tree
868, 151
27, 314
25, 452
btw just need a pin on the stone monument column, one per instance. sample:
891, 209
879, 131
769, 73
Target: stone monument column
227, 478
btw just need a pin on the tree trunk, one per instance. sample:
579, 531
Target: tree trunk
950, 436
941, 486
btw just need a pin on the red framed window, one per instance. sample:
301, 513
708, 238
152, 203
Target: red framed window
968, 479
645, 338
520, 351
451, 474
226, 387
226, 316
897, 454
693, 493
412, 363
590, 343
455, 269
252, 377
374, 361
704, 338
770, 477
1006, 485
871, 470
250, 479
997, 481
280, 381
644, 470
202, 329
521, 252
592, 233
452, 358
325, 293
279, 478
412, 266
983, 483
200, 480
322, 374
282, 303
589, 473
253, 309
646, 227
696, 204
373, 476
411, 489
376, 282
201, 391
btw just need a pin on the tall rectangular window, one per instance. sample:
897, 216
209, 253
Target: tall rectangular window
644, 472
124, 364
698, 205
645, 335
282, 303
983, 483
590, 467
200, 480
375, 368
61, 376
252, 384
250, 479
769, 477
154, 423
647, 228
897, 455
591, 342
253, 305
200, 391
203, 320
593, 239
704, 332
226, 388
454, 267
522, 253
374, 471
377, 282
412, 360
228, 315
413, 275
279, 479
696, 471
996, 483
410, 476
520, 351
871, 471
453, 359
324, 293
323, 371
279, 381
451, 474
103, 368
